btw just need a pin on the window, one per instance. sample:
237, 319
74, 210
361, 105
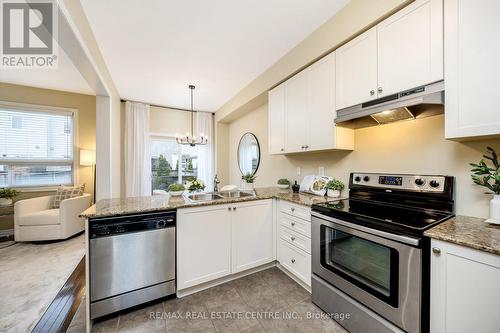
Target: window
36, 146
172, 163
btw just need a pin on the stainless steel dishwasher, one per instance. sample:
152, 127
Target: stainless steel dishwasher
132, 260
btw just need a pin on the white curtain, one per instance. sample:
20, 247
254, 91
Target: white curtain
203, 125
137, 152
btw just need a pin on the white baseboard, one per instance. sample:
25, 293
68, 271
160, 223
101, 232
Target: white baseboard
293, 277
207, 285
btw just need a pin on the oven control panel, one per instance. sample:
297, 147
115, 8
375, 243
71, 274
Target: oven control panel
422, 183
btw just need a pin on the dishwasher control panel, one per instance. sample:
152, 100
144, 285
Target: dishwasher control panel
113, 226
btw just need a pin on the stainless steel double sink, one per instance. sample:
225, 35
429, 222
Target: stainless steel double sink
199, 197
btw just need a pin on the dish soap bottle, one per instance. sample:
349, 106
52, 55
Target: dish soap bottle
295, 187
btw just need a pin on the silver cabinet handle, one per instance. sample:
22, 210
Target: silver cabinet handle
372, 92
302, 147
229, 208
436, 250
282, 149
293, 224
234, 208
292, 209
306, 146
293, 261
380, 89
292, 238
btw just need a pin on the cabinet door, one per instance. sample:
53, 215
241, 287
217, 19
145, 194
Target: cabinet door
321, 104
252, 229
203, 245
276, 118
296, 112
410, 47
464, 290
472, 71
356, 70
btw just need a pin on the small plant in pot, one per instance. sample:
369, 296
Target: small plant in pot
489, 176
6, 196
334, 187
195, 185
248, 181
283, 183
176, 189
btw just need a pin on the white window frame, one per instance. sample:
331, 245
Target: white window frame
15, 106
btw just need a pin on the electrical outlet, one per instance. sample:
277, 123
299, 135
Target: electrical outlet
298, 171
321, 171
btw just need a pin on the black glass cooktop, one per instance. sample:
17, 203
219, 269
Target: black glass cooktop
382, 216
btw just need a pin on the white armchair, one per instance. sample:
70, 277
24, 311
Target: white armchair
34, 220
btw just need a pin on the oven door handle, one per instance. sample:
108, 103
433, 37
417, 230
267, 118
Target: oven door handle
388, 235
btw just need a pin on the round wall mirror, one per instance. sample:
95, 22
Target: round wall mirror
248, 154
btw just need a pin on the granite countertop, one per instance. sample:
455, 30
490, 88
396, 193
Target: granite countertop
472, 232
112, 207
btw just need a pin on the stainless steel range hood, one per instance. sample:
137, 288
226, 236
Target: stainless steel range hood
415, 103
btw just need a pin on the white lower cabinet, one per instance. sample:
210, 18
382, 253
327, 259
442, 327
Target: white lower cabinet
294, 241
252, 234
465, 289
295, 260
203, 244
219, 240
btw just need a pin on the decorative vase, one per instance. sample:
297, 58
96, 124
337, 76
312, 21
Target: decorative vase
5, 202
495, 207
295, 187
333, 193
245, 186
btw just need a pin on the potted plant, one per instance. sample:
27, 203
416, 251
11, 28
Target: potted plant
489, 177
176, 189
6, 195
334, 187
283, 183
195, 185
248, 180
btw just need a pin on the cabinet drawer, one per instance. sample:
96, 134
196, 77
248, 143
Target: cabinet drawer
296, 210
294, 238
296, 261
296, 224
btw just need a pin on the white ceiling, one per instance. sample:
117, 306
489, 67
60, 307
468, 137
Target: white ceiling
155, 48
65, 77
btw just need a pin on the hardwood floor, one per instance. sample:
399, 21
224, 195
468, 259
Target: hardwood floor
60, 312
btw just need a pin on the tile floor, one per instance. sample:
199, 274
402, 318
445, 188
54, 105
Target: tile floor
283, 306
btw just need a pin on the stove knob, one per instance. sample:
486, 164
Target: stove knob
419, 182
434, 183
357, 178
160, 224
366, 178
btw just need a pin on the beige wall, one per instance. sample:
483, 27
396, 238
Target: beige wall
407, 147
86, 106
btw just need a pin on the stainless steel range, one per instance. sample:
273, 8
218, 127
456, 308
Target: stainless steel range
369, 256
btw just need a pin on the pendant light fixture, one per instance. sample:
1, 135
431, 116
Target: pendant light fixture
190, 139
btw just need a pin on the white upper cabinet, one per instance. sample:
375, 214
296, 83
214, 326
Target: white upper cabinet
305, 104
402, 52
296, 112
356, 70
472, 68
321, 128
277, 119
410, 47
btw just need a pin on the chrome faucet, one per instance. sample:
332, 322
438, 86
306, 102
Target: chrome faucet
216, 184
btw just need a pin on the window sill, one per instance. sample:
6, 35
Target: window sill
37, 188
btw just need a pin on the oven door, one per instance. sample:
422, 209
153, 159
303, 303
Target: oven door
376, 268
